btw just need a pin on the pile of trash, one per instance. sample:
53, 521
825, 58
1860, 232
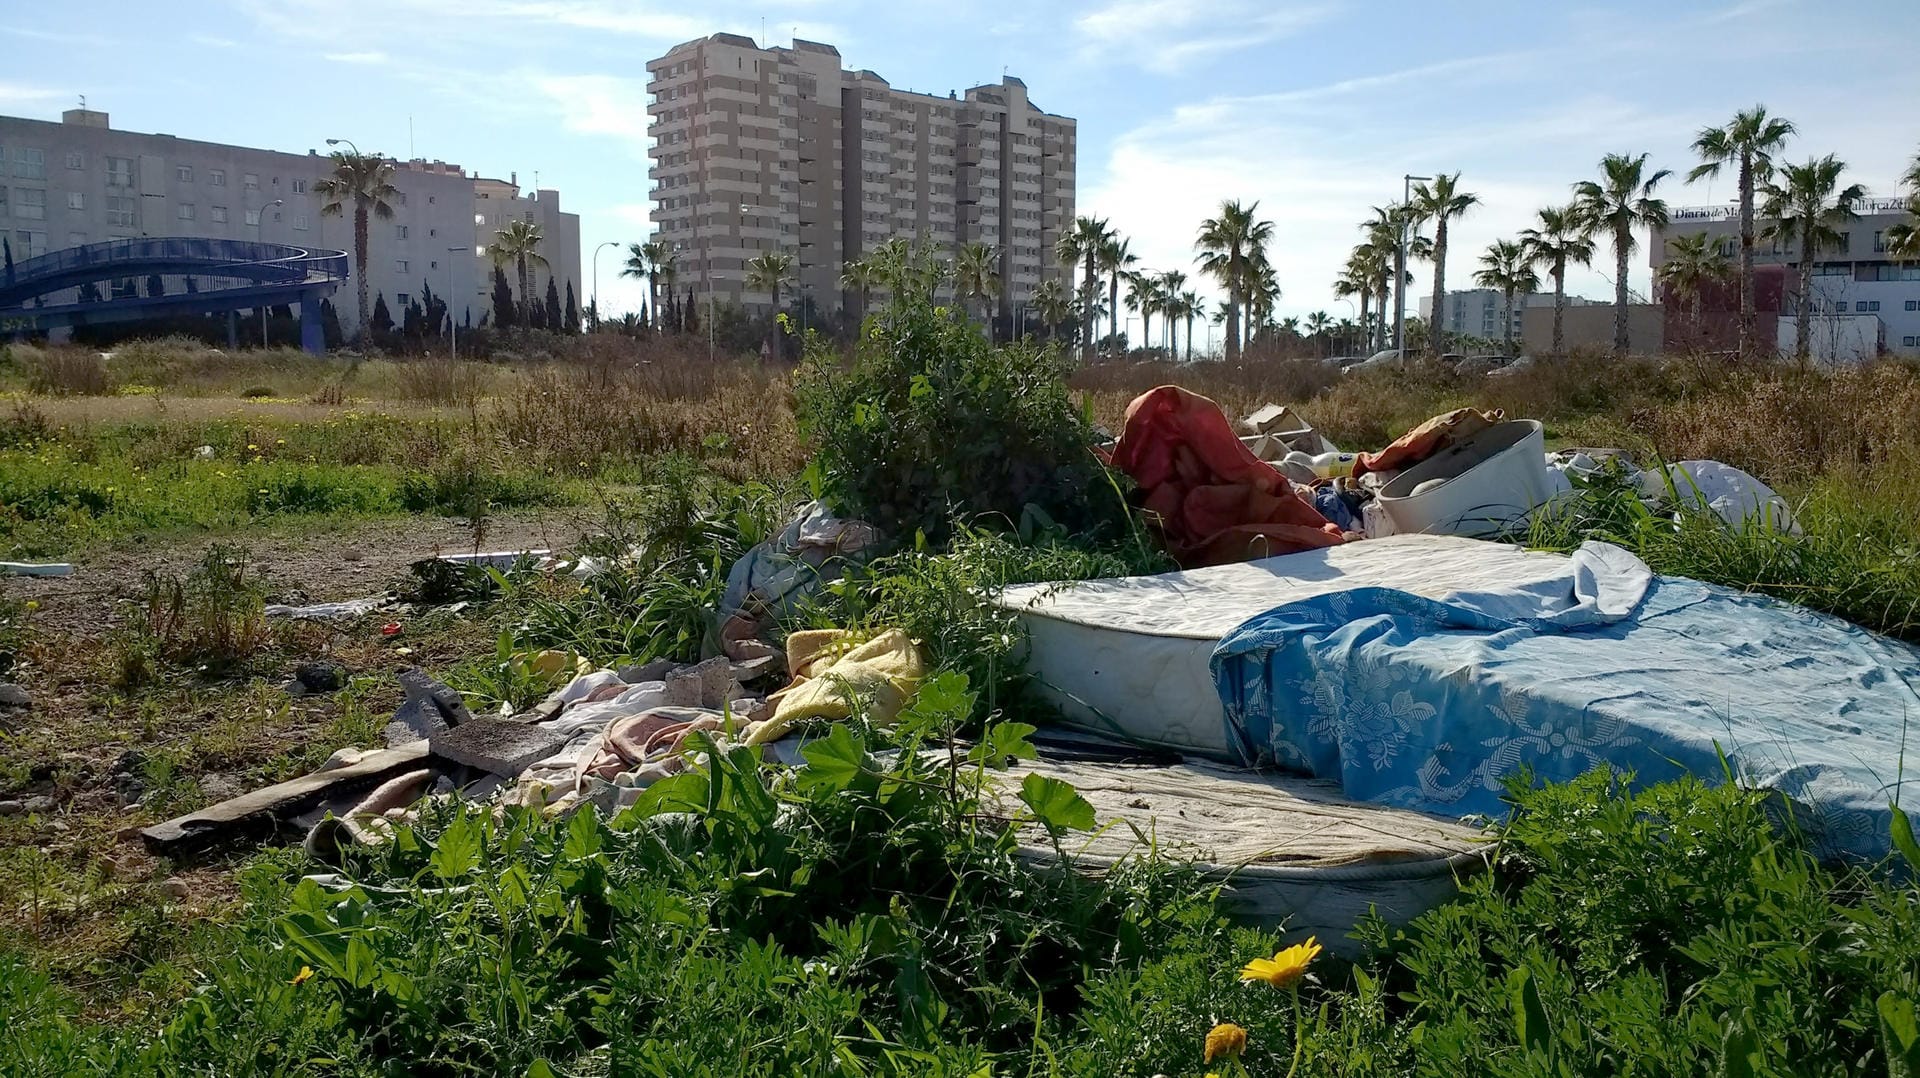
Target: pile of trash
1278, 486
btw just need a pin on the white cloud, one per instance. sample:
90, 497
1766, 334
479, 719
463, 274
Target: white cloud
374, 57
19, 94
599, 105
1169, 37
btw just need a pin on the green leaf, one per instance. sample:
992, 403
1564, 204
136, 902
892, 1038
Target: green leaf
1738, 1049
833, 761
1056, 804
1899, 1035
1003, 742
541, 1069
1529, 1014
458, 850
1903, 838
583, 835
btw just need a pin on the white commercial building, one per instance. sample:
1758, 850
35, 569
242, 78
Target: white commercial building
79, 181
1853, 278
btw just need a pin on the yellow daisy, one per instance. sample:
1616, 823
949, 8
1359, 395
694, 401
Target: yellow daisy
302, 977
1285, 967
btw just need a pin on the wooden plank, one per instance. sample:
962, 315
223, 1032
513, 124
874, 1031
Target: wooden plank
262, 810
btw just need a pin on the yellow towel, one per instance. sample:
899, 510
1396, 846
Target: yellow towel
826, 663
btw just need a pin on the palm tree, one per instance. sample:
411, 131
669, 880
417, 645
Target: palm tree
1805, 202
1262, 295
1229, 245
1317, 325
1354, 282
857, 278
976, 273
1561, 238
1440, 200
1173, 304
365, 180
1050, 299
1144, 295
1190, 309
1903, 240
1081, 245
1506, 266
1621, 200
1115, 257
1747, 142
1692, 263
767, 273
519, 244
649, 261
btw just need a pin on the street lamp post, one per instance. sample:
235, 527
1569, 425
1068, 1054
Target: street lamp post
596, 279
348, 141
1400, 269
260, 236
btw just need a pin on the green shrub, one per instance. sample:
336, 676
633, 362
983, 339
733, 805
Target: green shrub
931, 422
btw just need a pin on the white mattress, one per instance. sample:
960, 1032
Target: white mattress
1129, 656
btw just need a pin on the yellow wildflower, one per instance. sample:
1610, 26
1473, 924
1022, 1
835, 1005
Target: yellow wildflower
302, 977
1285, 967
1225, 1041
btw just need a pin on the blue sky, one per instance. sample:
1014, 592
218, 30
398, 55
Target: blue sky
1314, 107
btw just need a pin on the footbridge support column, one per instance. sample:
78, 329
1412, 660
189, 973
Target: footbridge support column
313, 338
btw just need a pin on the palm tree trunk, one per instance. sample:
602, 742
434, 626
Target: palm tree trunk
1803, 325
1146, 326
1509, 323
526, 289
1173, 338
1086, 307
360, 268
1746, 257
1621, 233
1113, 309
1364, 330
1380, 316
1400, 289
1436, 325
1189, 338
1559, 307
1233, 330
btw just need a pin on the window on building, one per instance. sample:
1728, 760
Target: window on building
119, 172
217, 177
400, 231
122, 212
299, 187
401, 299
1913, 305
400, 266
431, 232
253, 217
1910, 342
30, 203
1868, 305
184, 211
250, 181
76, 160
29, 244
1879, 241
479, 251
299, 222
217, 214
183, 173
30, 164
76, 200
1840, 307
434, 265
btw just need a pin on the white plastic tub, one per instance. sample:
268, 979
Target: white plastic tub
1489, 483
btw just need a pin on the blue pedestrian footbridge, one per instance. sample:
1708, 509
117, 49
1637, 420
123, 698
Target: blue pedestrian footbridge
115, 281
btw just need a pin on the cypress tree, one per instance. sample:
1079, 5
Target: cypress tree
554, 320
503, 305
573, 312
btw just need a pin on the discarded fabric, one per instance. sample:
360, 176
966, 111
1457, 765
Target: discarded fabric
1738, 498
830, 665
785, 569
1213, 499
1426, 439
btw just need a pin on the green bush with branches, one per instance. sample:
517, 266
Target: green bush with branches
931, 423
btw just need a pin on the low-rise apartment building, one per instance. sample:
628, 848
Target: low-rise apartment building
81, 181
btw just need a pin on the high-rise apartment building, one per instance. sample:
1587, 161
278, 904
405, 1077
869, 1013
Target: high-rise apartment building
782, 149
81, 181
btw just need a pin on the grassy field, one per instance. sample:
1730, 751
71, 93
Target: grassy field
855, 924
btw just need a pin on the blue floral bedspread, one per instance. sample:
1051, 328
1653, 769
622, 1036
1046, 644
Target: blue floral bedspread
1429, 704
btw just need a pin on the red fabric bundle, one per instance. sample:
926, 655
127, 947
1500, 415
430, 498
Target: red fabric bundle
1215, 500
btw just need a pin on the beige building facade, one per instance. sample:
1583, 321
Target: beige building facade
782, 149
